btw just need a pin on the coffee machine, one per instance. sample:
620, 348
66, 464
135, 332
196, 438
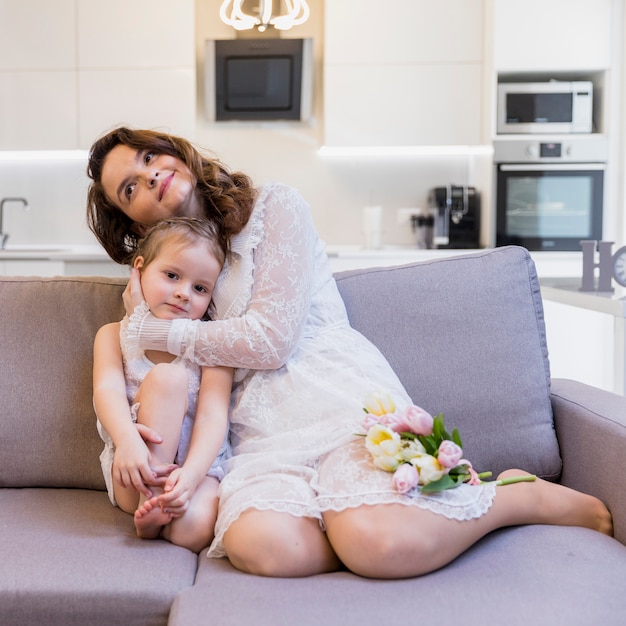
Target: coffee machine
456, 216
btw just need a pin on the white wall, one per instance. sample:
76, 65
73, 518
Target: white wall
337, 190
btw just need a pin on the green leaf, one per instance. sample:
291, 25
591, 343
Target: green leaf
445, 482
456, 438
429, 444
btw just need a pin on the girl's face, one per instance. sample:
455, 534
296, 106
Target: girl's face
148, 187
179, 282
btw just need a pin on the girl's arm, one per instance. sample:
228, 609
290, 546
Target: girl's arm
265, 336
207, 436
131, 465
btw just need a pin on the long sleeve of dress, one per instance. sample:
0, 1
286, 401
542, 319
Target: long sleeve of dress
262, 298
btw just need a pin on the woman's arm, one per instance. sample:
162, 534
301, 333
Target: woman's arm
131, 465
207, 436
266, 334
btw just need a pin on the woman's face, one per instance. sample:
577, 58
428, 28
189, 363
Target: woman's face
148, 187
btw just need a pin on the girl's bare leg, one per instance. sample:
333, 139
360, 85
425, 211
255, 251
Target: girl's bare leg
268, 543
397, 541
163, 403
194, 530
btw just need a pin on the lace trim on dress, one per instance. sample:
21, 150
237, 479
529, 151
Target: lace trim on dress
131, 328
444, 503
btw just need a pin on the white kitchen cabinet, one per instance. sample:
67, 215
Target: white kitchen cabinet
559, 35
38, 110
136, 66
585, 338
37, 35
37, 74
159, 98
72, 69
386, 105
408, 72
141, 33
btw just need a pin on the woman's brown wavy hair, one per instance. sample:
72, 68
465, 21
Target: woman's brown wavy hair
228, 196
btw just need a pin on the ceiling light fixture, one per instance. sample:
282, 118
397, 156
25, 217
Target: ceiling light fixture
296, 13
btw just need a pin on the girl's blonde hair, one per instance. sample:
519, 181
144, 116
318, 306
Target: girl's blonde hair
186, 230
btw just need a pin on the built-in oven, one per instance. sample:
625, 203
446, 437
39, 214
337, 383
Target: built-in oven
549, 194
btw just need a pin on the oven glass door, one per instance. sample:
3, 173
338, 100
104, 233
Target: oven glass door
549, 206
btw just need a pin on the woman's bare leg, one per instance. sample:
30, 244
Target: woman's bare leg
397, 541
268, 543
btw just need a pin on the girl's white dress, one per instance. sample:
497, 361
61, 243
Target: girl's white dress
136, 367
303, 374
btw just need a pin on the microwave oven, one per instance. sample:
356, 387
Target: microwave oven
258, 79
545, 107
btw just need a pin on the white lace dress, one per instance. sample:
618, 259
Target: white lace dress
303, 374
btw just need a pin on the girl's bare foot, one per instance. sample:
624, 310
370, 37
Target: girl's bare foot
150, 519
564, 506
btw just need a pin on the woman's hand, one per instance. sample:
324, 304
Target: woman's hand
133, 295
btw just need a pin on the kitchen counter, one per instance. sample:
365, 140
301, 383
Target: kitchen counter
556, 264
54, 252
58, 259
92, 260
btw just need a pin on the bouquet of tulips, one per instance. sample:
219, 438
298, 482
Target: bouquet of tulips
417, 448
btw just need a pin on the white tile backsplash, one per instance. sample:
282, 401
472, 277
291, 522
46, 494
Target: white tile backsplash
56, 193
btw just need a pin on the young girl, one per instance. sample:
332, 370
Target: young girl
301, 496
179, 261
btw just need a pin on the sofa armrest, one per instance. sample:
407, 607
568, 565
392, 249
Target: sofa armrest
591, 429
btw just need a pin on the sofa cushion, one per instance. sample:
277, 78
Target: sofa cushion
506, 578
70, 558
466, 336
48, 434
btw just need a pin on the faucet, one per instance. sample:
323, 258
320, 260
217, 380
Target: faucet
4, 236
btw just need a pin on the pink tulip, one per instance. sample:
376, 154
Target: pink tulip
405, 478
417, 421
449, 454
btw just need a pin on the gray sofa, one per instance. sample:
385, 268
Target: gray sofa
465, 335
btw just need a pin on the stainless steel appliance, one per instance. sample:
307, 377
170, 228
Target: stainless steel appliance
549, 192
456, 212
545, 107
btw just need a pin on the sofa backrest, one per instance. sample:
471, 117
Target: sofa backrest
464, 334
466, 337
48, 436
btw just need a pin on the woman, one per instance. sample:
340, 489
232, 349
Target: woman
301, 495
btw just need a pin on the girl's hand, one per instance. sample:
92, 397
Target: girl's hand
131, 466
179, 488
149, 435
133, 295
